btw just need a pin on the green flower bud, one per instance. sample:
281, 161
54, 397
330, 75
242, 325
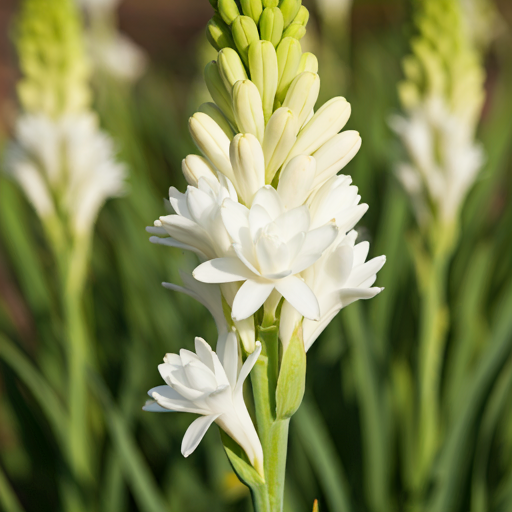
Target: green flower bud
295, 30
214, 3
271, 25
290, 9
212, 110
218, 34
280, 136
217, 90
270, 3
228, 10
308, 62
264, 73
231, 68
302, 16
248, 109
289, 53
245, 32
302, 95
252, 8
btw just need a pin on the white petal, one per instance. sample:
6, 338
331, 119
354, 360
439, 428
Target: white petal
300, 296
236, 220
296, 180
290, 318
204, 352
229, 356
363, 272
315, 244
201, 377
273, 255
247, 256
292, 222
195, 433
361, 253
152, 406
247, 367
258, 219
250, 298
222, 270
170, 242
268, 197
171, 400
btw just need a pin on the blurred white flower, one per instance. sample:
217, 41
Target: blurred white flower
209, 384
272, 245
340, 277
445, 158
66, 166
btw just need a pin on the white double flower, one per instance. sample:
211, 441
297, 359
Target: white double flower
209, 384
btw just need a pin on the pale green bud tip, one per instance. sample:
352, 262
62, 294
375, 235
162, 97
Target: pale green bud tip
231, 67
270, 3
252, 8
218, 34
308, 62
228, 10
295, 30
244, 32
290, 9
271, 25
302, 16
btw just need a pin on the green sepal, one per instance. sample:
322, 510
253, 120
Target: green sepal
292, 377
295, 30
271, 25
252, 8
244, 32
228, 10
218, 34
290, 9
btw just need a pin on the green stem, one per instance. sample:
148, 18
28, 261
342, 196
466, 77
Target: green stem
273, 432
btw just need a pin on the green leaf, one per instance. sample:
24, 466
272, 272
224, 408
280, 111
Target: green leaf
292, 377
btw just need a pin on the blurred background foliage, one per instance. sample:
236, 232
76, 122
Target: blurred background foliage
349, 441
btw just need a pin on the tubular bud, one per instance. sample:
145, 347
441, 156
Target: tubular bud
271, 25
217, 89
245, 32
289, 53
302, 95
214, 3
324, 125
218, 34
212, 110
270, 3
252, 8
248, 109
264, 73
248, 163
335, 154
195, 167
211, 141
302, 16
280, 136
228, 10
308, 62
231, 68
290, 9
295, 30
295, 181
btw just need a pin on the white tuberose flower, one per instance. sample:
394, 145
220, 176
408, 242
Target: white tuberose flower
272, 245
65, 165
209, 384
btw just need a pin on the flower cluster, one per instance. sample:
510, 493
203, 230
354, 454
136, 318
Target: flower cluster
442, 95
265, 210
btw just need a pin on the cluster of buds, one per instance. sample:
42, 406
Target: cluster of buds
442, 95
265, 211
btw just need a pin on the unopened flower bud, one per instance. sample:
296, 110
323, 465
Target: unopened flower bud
231, 68
295, 30
295, 181
280, 135
302, 16
289, 53
324, 125
218, 34
252, 8
270, 3
302, 95
217, 89
290, 9
212, 110
228, 10
248, 109
214, 3
308, 62
271, 25
334, 155
264, 73
245, 32
211, 141
248, 164
195, 167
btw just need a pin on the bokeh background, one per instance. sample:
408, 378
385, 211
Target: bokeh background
134, 321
